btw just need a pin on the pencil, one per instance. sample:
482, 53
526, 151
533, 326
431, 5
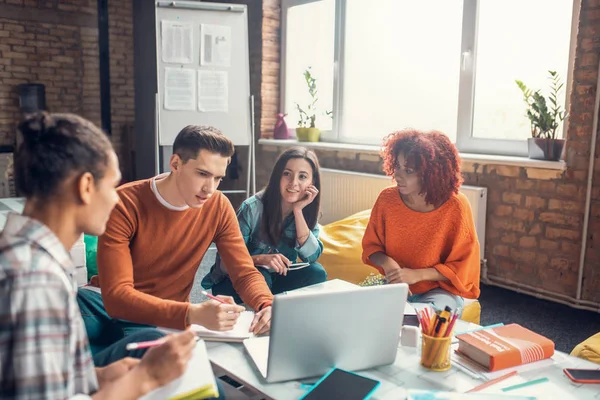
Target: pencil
492, 382
210, 296
148, 344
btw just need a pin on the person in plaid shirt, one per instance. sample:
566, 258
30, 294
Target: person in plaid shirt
68, 171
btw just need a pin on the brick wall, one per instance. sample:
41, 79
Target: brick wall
56, 43
535, 216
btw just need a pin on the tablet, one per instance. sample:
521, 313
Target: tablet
339, 384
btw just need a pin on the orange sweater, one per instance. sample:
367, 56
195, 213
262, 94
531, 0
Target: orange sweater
444, 239
149, 255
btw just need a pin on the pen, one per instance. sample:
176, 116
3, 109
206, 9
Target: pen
492, 382
148, 344
525, 384
210, 296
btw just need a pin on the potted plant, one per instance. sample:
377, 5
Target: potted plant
545, 120
306, 130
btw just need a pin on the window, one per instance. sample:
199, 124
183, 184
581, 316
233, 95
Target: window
450, 65
309, 41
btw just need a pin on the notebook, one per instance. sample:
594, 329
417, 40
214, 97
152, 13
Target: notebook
198, 381
505, 346
240, 331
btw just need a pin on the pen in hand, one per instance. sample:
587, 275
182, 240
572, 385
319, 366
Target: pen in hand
210, 296
147, 344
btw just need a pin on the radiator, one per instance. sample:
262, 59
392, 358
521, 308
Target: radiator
345, 193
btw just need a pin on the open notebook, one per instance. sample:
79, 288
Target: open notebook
240, 331
198, 381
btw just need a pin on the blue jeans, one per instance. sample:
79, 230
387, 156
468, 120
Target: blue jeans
439, 299
103, 330
313, 274
118, 350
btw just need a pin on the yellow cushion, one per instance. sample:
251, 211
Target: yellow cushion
589, 349
472, 311
342, 257
342, 253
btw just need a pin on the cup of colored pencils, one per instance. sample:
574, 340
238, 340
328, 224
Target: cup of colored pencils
436, 329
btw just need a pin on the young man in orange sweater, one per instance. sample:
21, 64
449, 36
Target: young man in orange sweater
154, 241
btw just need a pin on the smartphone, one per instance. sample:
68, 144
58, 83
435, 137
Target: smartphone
583, 375
339, 384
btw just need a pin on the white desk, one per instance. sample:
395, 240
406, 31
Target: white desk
406, 372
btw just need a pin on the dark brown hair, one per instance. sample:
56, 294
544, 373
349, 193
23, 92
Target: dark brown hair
56, 146
272, 221
194, 138
432, 155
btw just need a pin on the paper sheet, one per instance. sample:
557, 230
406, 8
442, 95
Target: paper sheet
213, 91
177, 42
215, 46
180, 89
240, 331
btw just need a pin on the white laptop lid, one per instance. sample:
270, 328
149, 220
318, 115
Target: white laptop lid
312, 332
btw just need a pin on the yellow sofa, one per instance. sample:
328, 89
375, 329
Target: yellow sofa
589, 349
341, 257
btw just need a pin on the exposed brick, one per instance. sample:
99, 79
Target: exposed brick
560, 233
570, 247
501, 250
524, 214
503, 210
511, 198
543, 174
565, 205
528, 241
535, 202
369, 157
548, 244
525, 184
535, 229
505, 170
559, 218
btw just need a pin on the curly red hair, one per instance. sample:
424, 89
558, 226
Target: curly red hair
432, 155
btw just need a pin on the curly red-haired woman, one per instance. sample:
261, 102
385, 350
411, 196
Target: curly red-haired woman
421, 231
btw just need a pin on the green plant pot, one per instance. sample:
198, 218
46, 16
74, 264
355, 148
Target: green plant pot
314, 134
308, 134
302, 134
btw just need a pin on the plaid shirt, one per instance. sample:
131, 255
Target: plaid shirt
44, 351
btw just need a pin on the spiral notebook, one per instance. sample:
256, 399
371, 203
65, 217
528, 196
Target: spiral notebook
240, 331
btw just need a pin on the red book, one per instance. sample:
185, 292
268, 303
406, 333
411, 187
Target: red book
505, 346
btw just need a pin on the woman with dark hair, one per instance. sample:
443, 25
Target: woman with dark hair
67, 170
421, 231
279, 225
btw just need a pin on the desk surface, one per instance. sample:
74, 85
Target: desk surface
405, 373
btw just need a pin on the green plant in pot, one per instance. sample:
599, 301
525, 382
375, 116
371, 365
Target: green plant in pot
545, 116
307, 130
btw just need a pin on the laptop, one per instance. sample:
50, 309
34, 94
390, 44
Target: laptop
314, 331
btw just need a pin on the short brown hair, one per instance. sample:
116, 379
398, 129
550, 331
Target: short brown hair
194, 138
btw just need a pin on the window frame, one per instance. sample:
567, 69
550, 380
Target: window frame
465, 141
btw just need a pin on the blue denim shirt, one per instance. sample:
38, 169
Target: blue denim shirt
250, 217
